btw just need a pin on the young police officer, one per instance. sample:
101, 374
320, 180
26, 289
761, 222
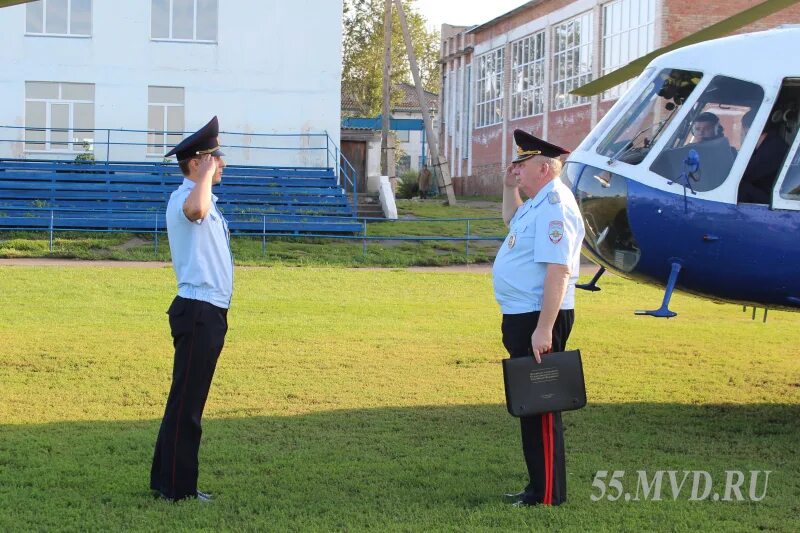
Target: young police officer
534, 277
201, 256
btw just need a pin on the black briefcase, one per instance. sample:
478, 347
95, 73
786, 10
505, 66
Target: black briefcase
555, 384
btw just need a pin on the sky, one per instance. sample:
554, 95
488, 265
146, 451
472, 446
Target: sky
463, 12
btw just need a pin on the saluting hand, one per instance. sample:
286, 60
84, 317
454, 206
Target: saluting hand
207, 166
541, 343
510, 179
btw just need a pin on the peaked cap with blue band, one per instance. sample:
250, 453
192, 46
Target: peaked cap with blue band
203, 141
529, 146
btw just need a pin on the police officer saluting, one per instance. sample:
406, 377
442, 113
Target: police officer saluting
534, 278
201, 256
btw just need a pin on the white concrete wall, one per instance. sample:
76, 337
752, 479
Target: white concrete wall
373, 165
413, 147
275, 68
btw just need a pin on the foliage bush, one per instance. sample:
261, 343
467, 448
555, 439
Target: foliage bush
407, 186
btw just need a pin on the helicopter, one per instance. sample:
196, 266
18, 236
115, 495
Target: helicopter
691, 181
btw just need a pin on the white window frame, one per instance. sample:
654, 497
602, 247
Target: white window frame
466, 106
489, 110
45, 33
400, 134
778, 201
572, 78
458, 89
49, 127
617, 49
158, 150
528, 56
194, 38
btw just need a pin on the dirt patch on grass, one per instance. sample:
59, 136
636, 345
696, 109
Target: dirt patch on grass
135, 242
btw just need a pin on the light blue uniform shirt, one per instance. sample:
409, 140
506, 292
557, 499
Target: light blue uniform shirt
201, 251
547, 228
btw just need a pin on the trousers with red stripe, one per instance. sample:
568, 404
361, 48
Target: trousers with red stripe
198, 334
542, 435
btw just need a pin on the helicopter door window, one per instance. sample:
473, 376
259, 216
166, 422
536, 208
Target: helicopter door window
702, 150
772, 145
790, 188
636, 131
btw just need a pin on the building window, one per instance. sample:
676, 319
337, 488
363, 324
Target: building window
402, 136
489, 89
628, 33
165, 118
64, 18
61, 116
456, 99
403, 164
527, 76
466, 106
184, 20
572, 59
445, 103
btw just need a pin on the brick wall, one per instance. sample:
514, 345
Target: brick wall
568, 127
682, 18
485, 180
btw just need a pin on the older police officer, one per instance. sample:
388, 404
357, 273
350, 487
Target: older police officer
201, 256
534, 277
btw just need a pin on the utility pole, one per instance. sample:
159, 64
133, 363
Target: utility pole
387, 150
437, 162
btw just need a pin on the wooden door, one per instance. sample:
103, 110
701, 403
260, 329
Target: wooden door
356, 154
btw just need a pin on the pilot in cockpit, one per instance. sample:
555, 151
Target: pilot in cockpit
706, 127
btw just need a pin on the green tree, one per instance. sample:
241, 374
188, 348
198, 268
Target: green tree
362, 72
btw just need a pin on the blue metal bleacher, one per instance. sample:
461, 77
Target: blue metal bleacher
132, 196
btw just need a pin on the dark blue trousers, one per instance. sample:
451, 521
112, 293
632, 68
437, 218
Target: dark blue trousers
542, 435
198, 334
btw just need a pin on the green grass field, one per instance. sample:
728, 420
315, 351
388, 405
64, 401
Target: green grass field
364, 399
381, 250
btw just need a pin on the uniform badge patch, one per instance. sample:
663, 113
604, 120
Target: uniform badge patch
512, 239
553, 197
555, 230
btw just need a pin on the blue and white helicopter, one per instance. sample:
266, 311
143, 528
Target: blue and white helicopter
692, 180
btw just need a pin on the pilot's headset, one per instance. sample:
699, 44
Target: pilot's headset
707, 116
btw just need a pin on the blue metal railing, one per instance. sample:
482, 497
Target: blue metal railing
103, 139
363, 236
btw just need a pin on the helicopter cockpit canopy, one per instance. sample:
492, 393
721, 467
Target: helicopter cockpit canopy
703, 147
701, 141
631, 139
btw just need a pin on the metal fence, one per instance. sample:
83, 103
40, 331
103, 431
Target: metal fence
364, 237
106, 145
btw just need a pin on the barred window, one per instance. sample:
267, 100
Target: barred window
527, 76
572, 59
628, 34
489, 89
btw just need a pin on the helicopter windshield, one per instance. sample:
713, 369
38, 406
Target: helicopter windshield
703, 148
633, 135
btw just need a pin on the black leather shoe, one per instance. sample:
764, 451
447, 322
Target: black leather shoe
514, 496
200, 496
524, 503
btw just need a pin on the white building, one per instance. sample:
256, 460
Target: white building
363, 149
262, 66
411, 143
